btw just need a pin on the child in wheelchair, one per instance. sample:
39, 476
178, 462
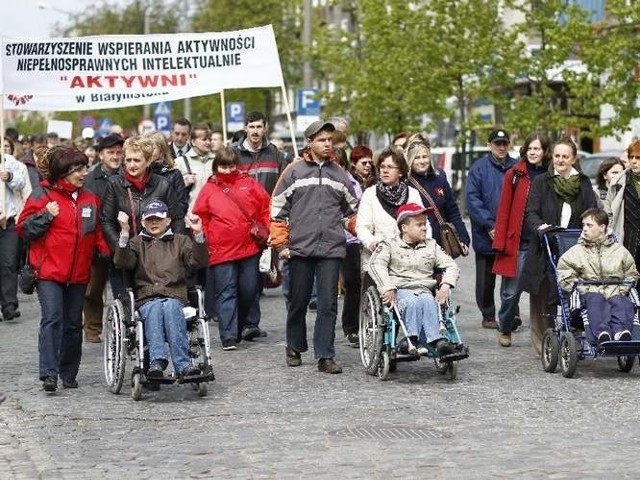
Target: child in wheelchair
158, 259
403, 270
603, 272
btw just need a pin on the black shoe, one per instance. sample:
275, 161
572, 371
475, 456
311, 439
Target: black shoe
263, 333
69, 383
190, 372
250, 332
517, 321
444, 347
327, 365
156, 369
229, 345
625, 336
353, 339
49, 384
313, 306
604, 337
294, 359
10, 313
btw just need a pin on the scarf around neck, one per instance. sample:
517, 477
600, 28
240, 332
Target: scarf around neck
566, 188
138, 184
392, 196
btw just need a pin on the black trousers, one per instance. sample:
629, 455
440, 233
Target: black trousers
9, 247
485, 285
351, 277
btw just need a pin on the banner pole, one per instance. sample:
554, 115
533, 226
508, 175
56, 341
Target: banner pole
287, 109
3, 198
223, 112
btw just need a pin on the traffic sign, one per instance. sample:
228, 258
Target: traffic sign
105, 127
162, 108
308, 102
235, 115
146, 126
88, 121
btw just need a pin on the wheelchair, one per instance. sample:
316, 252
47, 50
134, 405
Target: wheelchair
571, 338
123, 339
381, 326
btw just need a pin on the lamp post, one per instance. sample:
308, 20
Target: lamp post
146, 109
46, 6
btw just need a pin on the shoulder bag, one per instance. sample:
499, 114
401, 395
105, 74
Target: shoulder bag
449, 239
259, 233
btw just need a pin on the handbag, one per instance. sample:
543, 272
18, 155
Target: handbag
449, 238
27, 277
270, 267
259, 233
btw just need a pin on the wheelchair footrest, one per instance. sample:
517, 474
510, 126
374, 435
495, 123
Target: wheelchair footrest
405, 357
619, 349
171, 379
461, 353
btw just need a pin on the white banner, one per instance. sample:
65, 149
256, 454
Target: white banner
113, 71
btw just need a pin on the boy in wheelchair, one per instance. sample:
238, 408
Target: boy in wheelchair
403, 270
608, 270
158, 259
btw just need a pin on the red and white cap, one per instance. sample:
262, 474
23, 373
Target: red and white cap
410, 210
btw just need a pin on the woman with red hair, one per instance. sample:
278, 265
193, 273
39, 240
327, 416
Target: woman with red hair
362, 169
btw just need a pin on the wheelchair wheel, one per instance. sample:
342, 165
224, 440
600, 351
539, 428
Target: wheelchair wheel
202, 389
441, 367
370, 333
136, 386
452, 370
114, 352
200, 350
550, 350
568, 354
385, 366
625, 364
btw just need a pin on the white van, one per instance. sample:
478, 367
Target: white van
449, 159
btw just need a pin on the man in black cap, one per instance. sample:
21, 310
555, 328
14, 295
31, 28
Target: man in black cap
109, 150
483, 191
311, 205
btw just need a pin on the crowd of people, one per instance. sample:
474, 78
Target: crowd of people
161, 215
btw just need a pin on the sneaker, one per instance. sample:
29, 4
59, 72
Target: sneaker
263, 333
489, 322
423, 351
517, 321
294, 359
444, 347
327, 365
604, 337
504, 339
353, 338
156, 369
229, 345
49, 384
624, 336
250, 332
69, 383
92, 337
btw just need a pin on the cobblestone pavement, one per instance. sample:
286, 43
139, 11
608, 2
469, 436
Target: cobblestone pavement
503, 417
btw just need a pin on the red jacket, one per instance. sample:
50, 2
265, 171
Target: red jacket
62, 247
225, 226
510, 219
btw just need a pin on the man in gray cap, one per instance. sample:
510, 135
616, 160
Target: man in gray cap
311, 205
109, 150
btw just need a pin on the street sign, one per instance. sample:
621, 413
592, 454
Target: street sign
146, 126
235, 116
162, 117
105, 127
88, 121
308, 108
162, 108
308, 103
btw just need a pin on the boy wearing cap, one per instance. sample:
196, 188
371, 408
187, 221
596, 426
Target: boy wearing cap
310, 206
159, 259
109, 151
482, 194
403, 271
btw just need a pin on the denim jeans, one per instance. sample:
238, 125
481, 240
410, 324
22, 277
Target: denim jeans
236, 285
419, 311
164, 319
303, 271
510, 296
60, 338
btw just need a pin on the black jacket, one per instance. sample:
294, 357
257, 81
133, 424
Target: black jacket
97, 180
116, 199
177, 182
545, 206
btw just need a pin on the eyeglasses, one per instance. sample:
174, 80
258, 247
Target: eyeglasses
365, 163
634, 157
388, 167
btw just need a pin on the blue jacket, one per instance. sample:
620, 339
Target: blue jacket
482, 194
436, 185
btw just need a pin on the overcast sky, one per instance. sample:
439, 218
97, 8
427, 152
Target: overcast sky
23, 18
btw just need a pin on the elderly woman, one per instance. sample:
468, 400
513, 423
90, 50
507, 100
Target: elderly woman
376, 219
512, 236
230, 202
623, 203
425, 178
60, 220
557, 198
